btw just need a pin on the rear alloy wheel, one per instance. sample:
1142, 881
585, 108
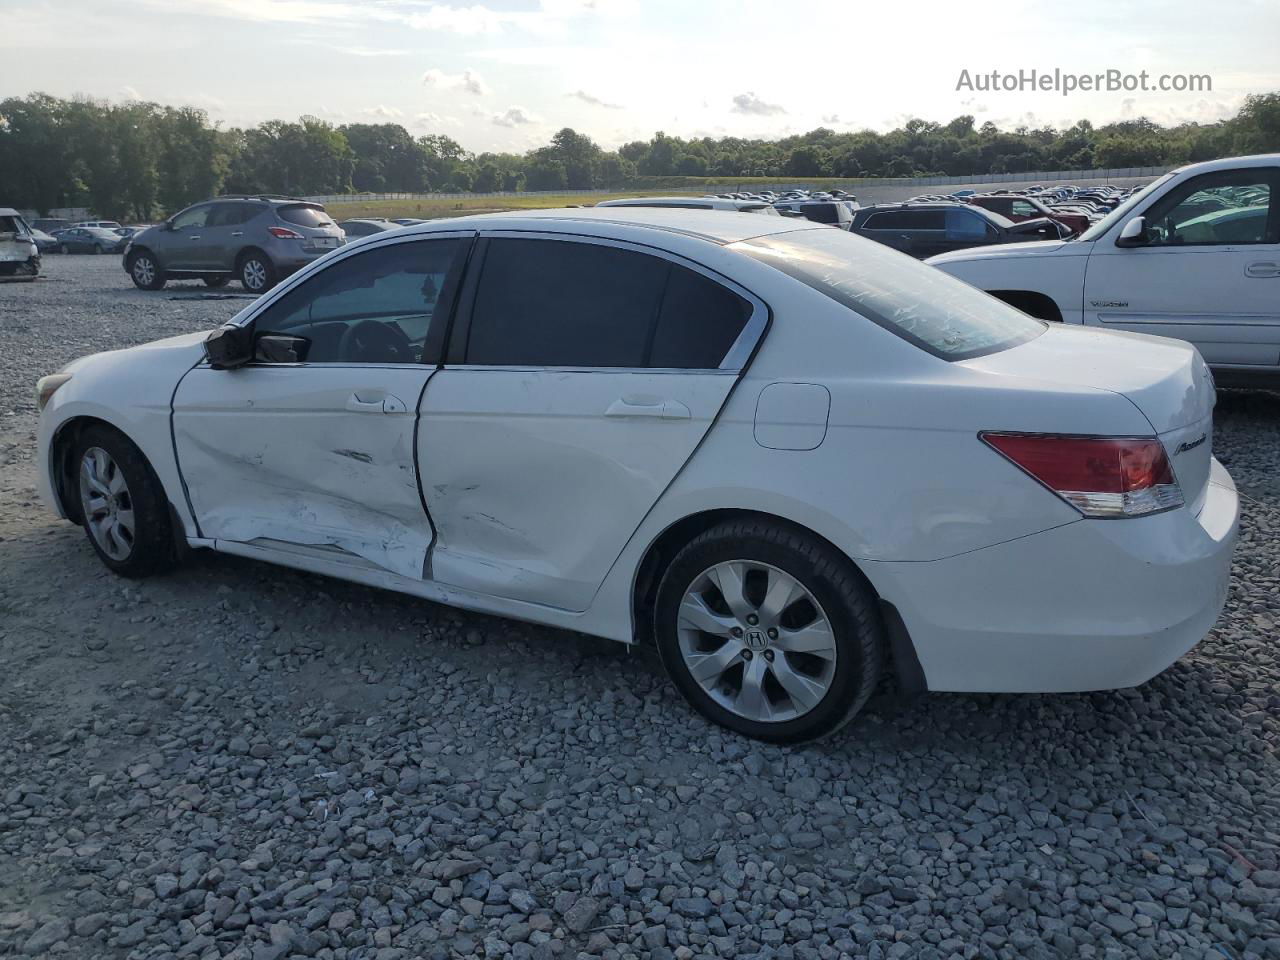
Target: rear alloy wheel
256, 273
145, 272
769, 632
123, 506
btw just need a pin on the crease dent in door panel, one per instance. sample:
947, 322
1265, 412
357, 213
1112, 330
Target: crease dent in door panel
350, 498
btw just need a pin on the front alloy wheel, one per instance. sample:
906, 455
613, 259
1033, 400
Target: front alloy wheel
123, 506
107, 505
145, 272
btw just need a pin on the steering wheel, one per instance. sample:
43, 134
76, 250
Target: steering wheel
375, 342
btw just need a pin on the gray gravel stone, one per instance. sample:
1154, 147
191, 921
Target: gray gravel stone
243, 761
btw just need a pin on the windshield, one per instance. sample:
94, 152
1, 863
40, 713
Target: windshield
1120, 212
924, 306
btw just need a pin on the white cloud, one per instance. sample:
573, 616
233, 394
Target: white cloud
382, 110
752, 105
468, 21
429, 119
130, 93
594, 100
467, 81
513, 117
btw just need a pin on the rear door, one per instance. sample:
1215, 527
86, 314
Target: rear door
581, 376
1210, 273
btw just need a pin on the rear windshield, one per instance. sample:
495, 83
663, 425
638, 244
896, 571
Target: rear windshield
926, 307
825, 212
304, 215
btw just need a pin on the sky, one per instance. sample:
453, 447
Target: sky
506, 74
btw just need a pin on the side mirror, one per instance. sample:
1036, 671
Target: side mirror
1134, 233
229, 347
281, 348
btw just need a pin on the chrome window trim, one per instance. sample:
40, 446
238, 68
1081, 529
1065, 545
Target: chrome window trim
734, 360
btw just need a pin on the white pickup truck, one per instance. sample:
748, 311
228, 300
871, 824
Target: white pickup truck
1195, 255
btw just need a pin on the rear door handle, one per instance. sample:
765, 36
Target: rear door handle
653, 409
378, 404
1263, 268
237, 233
194, 236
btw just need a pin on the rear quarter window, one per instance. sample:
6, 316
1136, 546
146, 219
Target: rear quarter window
924, 306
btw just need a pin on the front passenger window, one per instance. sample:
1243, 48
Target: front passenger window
373, 307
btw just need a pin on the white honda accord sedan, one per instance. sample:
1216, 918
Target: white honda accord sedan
789, 457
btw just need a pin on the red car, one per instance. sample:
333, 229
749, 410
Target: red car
1018, 208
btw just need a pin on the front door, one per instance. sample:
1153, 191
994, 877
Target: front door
582, 376
320, 453
1209, 273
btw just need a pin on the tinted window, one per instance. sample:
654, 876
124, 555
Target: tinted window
373, 307
229, 214
304, 215
556, 303
965, 224
907, 220
1021, 208
919, 303
698, 322
194, 217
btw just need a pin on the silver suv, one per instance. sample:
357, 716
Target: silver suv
257, 240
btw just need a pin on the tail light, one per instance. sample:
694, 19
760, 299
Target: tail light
1099, 476
284, 233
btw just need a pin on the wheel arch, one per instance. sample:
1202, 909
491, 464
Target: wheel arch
63, 471
1032, 302
904, 663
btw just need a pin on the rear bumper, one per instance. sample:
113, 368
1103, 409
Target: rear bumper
1092, 605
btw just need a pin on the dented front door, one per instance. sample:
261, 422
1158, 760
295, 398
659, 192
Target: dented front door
319, 455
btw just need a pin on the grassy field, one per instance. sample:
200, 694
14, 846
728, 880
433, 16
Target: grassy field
429, 209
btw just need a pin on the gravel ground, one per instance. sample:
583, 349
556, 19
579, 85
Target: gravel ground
242, 761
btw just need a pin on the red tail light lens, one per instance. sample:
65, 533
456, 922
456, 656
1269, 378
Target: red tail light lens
284, 233
1099, 476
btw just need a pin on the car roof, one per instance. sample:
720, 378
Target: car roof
1231, 163
718, 226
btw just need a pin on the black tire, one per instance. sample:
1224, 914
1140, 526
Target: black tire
844, 596
216, 283
257, 273
143, 279
62, 248
97, 250
152, 548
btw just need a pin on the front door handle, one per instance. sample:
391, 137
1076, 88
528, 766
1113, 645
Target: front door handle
1263, 268
194, 236
654, 409
384, 403
237, 233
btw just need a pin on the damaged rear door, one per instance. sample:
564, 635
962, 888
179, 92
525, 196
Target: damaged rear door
312, 443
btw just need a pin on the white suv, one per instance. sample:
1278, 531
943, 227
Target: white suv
1195, 255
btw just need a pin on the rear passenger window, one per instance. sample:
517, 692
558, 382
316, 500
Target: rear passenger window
551, 303
698, 323
554, 303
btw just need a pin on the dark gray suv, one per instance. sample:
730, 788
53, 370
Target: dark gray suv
257, 240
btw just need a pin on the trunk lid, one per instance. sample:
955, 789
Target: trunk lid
1165, 379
